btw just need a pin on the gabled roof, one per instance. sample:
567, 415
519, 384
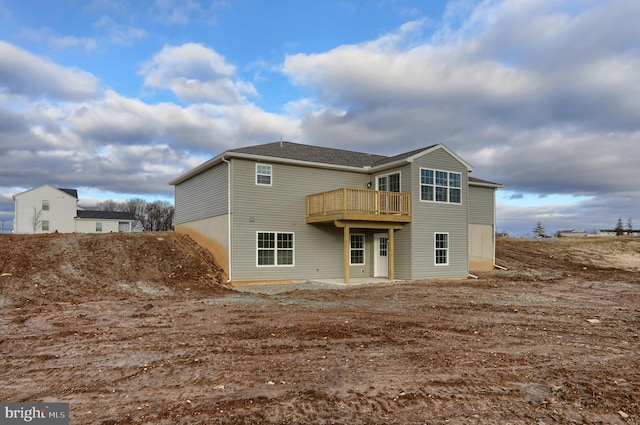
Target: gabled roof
70, 192
105, 215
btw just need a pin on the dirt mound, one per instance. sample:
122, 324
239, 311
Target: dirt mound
80, 267
548, 259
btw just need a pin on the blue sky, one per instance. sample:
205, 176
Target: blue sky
116, 98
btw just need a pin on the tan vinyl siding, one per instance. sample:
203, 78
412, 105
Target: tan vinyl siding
438, 217
202, 196
281, 207
481, 228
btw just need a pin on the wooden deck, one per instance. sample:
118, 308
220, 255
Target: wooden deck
359, 205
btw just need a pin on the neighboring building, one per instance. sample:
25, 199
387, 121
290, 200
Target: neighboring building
610, 232
574, 233
47, 209
288, 212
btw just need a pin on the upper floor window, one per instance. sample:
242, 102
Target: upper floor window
389, 182
263, 174
45, 205
440, 186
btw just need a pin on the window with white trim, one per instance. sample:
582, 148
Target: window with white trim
263, 174
45, 225
388, 182
441, 249
356, 250
45, 205
98, 226
274, 249
440, 186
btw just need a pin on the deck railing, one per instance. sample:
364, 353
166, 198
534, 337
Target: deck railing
359, 201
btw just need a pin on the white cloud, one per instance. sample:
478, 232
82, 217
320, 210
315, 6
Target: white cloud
120, 34
49, 37
25, 74
177, 12
195, 73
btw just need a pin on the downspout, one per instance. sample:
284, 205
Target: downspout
495, 266
228, 216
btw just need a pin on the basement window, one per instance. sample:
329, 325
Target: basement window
441, 249
356, 251
274, 249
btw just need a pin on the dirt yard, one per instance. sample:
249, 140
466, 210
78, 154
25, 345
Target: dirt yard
135, 329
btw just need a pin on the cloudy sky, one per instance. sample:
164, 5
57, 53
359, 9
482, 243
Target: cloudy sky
118, 97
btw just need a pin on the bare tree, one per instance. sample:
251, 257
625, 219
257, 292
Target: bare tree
629, 226
36, 220
137, 207
108, 205
159, 216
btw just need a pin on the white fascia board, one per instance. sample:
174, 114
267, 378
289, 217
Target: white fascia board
199, 169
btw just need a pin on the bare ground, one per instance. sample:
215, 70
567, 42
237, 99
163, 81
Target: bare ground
137, 329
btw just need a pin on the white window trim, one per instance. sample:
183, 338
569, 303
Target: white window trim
261, 164
42, 225
364, 249
435, 249
399, 173
275, 249
448, 201
47, 204
101, 227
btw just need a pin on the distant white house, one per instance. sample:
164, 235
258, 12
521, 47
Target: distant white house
47, 209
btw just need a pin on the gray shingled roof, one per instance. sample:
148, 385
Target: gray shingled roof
311, 153
481, 181
401, 156
105, 215
72, 192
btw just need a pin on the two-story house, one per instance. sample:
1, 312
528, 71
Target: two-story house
47, 209
291, 212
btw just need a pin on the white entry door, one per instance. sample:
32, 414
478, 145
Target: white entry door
381, 258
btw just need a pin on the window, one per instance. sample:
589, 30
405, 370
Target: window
45, 225
440, 186
263, 174
274, 249
357, 249
389, 183
442, 249
98, 226
45, 205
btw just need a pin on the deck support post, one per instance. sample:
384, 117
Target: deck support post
347, 250
392, 255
